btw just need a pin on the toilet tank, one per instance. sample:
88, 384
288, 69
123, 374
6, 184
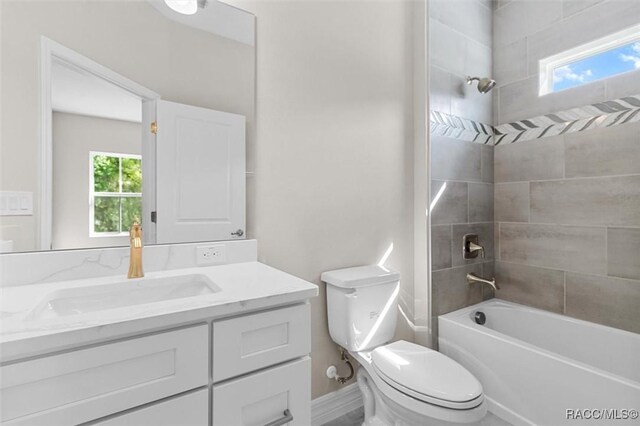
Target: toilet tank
362, 306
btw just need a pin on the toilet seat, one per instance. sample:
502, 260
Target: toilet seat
426, 375
412, 411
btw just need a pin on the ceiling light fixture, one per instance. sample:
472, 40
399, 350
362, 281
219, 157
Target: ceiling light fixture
186, 7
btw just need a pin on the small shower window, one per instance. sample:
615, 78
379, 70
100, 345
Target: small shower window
612, 55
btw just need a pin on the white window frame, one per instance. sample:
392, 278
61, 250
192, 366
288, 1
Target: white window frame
548, 65
120, 194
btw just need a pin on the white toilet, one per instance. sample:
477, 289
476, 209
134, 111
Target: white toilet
402, 383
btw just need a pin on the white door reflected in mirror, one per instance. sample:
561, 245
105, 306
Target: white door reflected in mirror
184, 183
200, 173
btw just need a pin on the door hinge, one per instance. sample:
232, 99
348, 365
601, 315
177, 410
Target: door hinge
154, 127
154, 217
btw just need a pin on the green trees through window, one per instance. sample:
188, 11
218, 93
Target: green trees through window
116, 192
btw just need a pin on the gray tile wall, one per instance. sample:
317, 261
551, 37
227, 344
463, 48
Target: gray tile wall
460, 36
567, 208
526, 31
568, 226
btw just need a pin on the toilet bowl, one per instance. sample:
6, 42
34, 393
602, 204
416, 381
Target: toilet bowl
402, 383
413, 385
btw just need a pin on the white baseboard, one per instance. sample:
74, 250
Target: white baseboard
335, 404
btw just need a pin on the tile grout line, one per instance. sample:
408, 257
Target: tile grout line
469, 196
562, 179
450, 246
606, 250
564, 158
569, 225
498, 254
547, 268
564, 302
464, 35
529, 203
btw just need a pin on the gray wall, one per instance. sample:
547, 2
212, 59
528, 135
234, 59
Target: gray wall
567, 207
334, 151
74, 136
460, 34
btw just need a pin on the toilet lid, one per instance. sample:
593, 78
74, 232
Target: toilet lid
425, 374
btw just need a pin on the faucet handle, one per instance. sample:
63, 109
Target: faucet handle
135, 234
135, 230
135, 258
475, 247
471, 247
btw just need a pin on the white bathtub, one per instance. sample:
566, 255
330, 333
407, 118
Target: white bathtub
535, 365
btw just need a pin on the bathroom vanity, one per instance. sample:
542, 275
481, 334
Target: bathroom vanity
220, 345
116, 136
112, 134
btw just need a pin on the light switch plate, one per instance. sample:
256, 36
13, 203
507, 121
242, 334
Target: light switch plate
16, 203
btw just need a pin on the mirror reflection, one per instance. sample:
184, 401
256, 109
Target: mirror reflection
97, 160
85, 87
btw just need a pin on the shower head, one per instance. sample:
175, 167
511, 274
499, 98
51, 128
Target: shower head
485, 84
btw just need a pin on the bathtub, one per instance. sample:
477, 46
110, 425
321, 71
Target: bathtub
541, 368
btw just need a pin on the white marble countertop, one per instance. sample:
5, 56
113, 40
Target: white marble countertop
244, 287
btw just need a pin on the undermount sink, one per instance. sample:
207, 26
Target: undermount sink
81, 300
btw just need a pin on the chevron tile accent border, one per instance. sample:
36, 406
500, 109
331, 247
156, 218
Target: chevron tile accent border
460, 128
594, 116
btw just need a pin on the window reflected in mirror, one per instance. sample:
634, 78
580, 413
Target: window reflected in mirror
115, 193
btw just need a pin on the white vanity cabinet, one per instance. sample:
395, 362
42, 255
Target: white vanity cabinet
185, 410
250, 344
276, 396
258, 374
86, 384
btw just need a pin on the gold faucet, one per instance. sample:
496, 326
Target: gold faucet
135, 259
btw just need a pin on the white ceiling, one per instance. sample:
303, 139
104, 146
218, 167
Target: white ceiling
217, 18
78, 92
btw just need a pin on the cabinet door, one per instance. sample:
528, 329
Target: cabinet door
266, 397
88, 384
187, 410
252, 342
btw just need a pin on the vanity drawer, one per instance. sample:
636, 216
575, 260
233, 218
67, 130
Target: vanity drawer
187, 410
251, 342
86, 384
266, 397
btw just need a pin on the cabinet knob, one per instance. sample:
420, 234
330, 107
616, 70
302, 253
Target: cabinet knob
238, 233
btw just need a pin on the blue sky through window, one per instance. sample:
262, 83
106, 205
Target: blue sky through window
615, 61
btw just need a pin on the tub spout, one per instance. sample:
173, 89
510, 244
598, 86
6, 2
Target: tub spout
473, 278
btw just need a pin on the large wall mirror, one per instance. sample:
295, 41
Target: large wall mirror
121, 111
